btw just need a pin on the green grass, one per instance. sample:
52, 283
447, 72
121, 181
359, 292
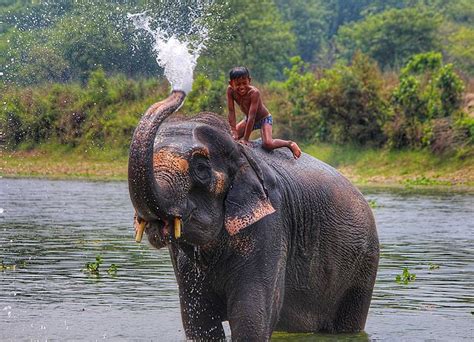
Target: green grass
361, 166
405, 167
59, 162
320, 337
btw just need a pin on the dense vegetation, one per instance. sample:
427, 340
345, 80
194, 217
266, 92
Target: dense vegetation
372, 73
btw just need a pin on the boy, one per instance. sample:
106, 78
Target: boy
257, 115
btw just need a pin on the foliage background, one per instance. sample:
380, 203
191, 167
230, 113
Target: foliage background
396, 73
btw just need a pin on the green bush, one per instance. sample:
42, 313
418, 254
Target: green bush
347, 104
102, 113
351, 104
450, 88
428, 91
344, 105
296, 111
206, 95
466, 124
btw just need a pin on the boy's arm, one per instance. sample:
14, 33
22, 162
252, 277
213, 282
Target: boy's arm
254, 97
231, 108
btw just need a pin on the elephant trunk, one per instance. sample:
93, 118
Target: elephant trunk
142, 185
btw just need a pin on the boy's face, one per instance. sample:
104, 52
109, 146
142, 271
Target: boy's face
241, 85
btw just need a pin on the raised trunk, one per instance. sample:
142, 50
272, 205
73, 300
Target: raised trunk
141, 181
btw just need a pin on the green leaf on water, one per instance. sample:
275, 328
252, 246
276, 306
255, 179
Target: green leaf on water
432, 266
93, 267
372, 203
112, 271
406, 277
4, 267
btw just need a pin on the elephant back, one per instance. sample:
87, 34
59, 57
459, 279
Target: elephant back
322, 205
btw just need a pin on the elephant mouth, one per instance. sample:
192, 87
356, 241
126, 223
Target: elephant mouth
160, 232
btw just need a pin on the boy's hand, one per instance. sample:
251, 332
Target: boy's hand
235, 135
245, 142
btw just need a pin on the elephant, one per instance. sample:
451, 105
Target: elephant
256, 238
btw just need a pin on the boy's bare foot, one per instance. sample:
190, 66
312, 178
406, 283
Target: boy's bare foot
295, 149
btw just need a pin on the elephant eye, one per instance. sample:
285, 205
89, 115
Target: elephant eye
201, 170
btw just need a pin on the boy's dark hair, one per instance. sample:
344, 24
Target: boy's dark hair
239, 72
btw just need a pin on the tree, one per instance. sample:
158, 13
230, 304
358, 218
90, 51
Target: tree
461, 12
459, 47
296, 110
310, 24
351, 104
428, 91
43, 64
345, 11
75, 39
88, 44
391, 37
251, 34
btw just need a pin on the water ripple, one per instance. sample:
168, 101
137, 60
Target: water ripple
49, 230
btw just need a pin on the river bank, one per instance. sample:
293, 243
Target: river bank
364, 167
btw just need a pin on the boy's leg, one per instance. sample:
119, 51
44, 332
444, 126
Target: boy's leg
270, 144
241, 128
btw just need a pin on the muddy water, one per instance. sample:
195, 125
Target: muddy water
49, 230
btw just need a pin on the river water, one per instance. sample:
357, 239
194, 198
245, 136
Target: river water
49, 230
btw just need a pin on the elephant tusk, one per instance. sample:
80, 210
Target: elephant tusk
177, 227
139, 231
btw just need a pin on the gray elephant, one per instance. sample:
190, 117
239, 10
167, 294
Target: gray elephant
255, 237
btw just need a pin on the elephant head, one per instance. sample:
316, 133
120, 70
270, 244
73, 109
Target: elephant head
189, 180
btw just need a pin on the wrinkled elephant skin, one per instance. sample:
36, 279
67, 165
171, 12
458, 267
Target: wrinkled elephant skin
256, 238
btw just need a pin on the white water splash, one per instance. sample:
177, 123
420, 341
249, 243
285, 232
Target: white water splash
176, 55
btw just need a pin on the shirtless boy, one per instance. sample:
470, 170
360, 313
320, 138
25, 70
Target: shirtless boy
257, 115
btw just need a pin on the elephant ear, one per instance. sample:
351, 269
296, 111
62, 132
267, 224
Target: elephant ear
247, 200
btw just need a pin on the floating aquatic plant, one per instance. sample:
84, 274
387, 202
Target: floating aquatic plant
372, 203
406, 277
4, 267
93, 267
112, 271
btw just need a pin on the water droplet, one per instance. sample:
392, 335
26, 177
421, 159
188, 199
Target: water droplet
176, 55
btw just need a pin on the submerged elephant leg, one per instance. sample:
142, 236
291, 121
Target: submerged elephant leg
254, 310
201, 310
248, 320
200, 320
352, 311
354, 305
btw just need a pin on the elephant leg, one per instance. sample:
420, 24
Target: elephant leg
201, 310
253, 311
353, 308
201, 320
352, 311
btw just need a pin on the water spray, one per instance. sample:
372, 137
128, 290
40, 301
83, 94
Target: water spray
177, 55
